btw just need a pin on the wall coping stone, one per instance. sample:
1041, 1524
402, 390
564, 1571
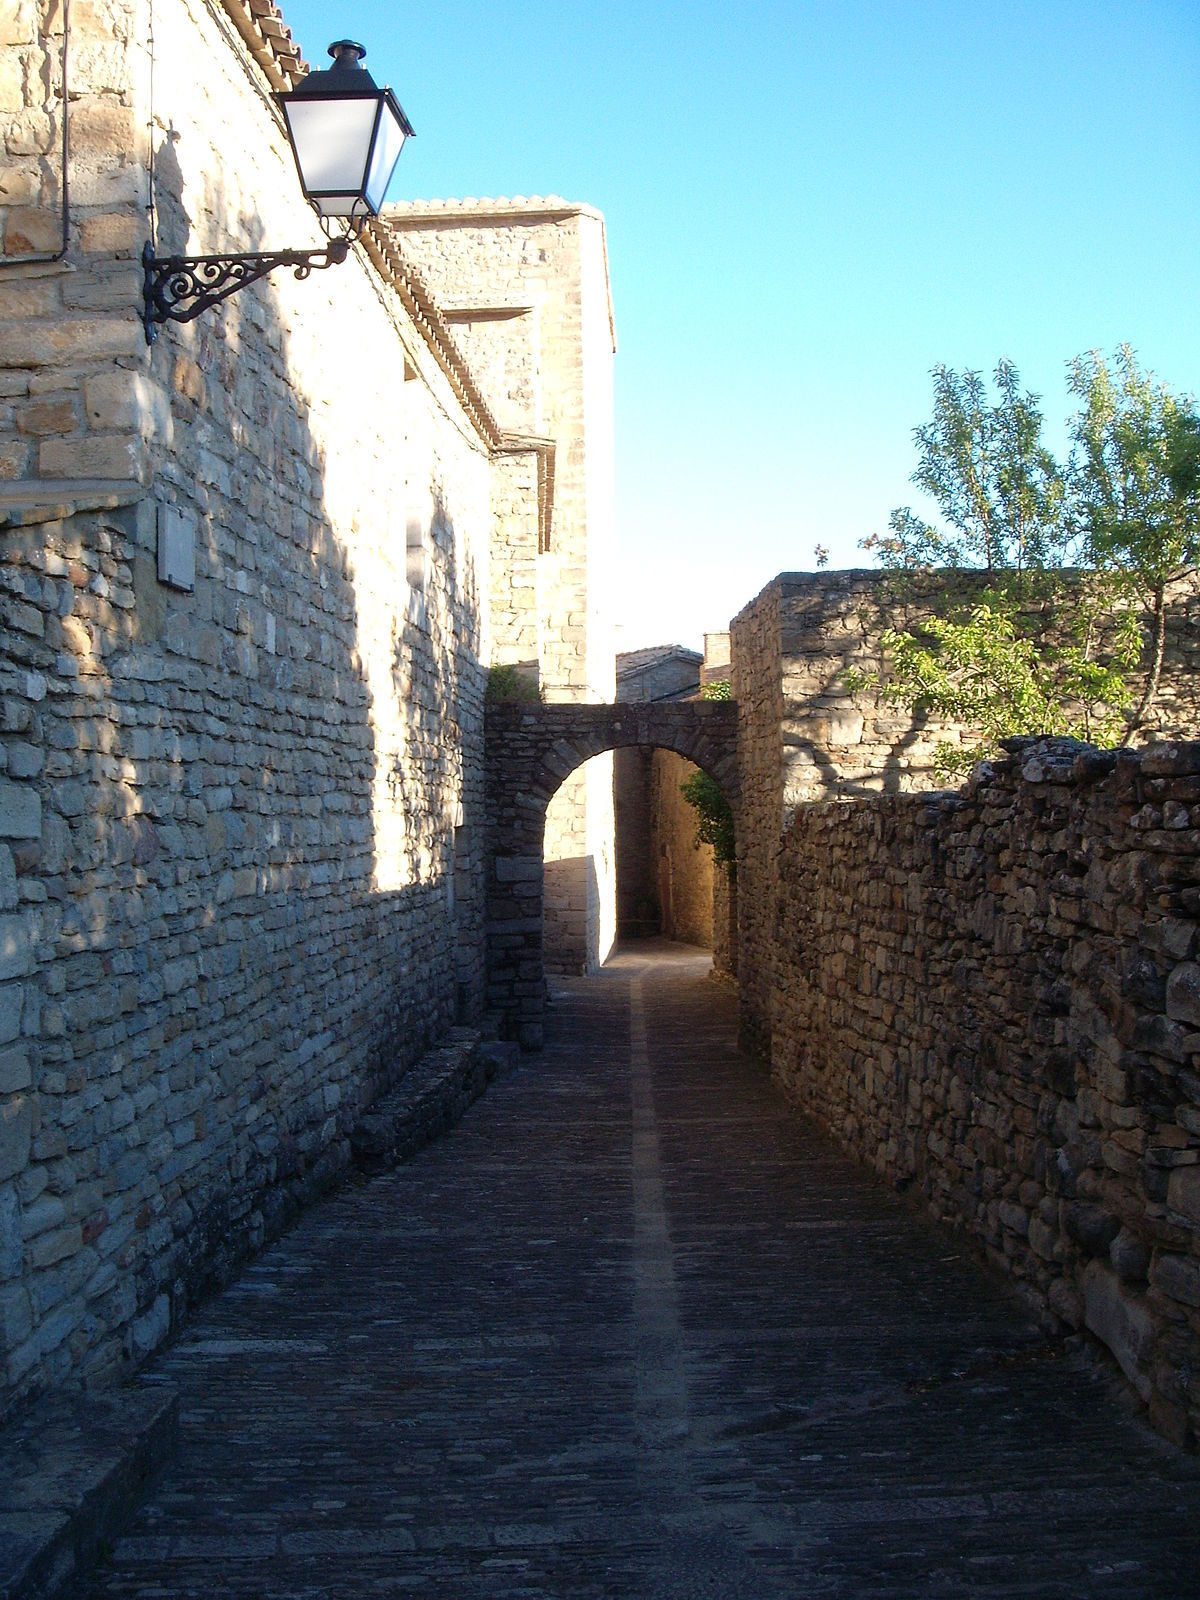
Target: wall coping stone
36, 500
430, 1098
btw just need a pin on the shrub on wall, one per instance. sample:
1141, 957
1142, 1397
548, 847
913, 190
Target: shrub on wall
714, 819
511, 683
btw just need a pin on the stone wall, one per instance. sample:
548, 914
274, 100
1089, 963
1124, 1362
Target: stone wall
995, 995
725, 921
804, 737
75, 398
684, 870
756, 675
241, 831
665, 883
638, 915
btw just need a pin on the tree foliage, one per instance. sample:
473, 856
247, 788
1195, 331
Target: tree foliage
1035, 649
1136, 486
508, 682
979, 669
999, 490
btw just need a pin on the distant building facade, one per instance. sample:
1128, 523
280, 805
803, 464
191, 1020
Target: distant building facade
524, 286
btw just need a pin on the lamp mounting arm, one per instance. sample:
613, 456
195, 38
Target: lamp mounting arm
179, 288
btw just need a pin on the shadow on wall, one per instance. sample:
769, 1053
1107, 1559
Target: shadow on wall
820, 745
214, 984
856, 745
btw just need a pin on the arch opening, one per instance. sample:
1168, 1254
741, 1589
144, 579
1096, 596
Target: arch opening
532, 753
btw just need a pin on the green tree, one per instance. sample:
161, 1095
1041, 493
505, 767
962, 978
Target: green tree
508, 682
999, 490
1136, 487
980, 669
1034, 649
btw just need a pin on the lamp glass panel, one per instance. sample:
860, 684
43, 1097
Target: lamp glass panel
332, 140
388, 144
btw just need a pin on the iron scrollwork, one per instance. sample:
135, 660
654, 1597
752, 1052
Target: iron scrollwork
179, 288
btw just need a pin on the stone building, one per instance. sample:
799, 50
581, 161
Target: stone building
251, 581
524, 285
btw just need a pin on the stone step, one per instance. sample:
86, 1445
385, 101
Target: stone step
73, 1469
429, 1099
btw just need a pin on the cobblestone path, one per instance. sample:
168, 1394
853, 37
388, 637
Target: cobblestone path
635, 1330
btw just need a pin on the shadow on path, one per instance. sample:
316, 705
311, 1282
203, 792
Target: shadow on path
634, 1330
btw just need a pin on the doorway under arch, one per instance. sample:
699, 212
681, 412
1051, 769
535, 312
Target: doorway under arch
529, 751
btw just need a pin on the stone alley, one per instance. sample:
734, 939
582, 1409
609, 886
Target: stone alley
636, 1329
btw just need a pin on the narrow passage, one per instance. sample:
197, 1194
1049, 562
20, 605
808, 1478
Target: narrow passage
635, 1329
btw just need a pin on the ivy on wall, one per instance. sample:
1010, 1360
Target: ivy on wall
714, 819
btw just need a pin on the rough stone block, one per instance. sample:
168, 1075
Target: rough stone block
98, 456
1130, 1256
11, 1235
123, 400
1090, 1226
103, 125
16, 947
1183, 1192
14, 460
16, 1317
110, 233
12, 998
1119, 1320
16, 1132
1178, 1277
1183, 993
12, 84
58, 343
15, 1071
47, 417
20, 811
18, 23
31, 231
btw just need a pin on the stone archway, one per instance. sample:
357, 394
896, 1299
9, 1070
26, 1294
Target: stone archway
529, 750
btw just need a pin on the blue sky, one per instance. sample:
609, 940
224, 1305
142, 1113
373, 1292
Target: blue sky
809, 205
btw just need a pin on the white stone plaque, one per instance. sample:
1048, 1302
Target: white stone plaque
176, 548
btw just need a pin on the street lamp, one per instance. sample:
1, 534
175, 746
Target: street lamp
346, 136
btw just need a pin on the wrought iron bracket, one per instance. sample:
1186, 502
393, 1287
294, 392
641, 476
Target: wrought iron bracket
179, 288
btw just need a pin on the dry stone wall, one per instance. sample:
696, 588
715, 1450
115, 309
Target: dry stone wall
805, 737
241, 831
995, 995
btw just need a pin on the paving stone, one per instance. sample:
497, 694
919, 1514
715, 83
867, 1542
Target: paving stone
635, 1328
